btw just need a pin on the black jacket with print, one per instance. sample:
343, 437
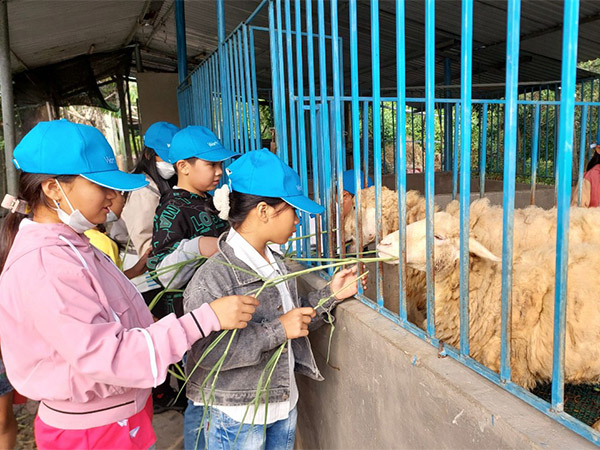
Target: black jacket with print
180, 215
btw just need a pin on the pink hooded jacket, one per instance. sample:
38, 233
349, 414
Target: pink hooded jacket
77, 335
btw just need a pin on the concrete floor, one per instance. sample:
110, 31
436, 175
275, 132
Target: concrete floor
169, 430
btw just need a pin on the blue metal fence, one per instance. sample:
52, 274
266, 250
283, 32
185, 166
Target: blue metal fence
527, 135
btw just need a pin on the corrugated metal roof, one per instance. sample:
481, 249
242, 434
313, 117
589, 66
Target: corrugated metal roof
44, 32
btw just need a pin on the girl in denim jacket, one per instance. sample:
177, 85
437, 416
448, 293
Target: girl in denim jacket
261, 208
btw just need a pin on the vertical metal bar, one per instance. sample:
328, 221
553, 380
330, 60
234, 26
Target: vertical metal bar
483, 154
376, 134
326, 156
429, 156
291, 95
465, 168
242, 75
582, 151
412, 134
535, 143
567, 103
181, 42
225, 128
217, 97
366, 137
282, 138
456, 156
274, 50
235, 142
336, 107
257, 128
301, 123
236, 77
401, 152
8, 104
251, 113
356, 149
447, 117
510, 143
313, 112
547, 134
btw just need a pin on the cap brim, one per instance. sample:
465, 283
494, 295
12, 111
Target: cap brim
217, 155
304, 204
162, 154
117, 180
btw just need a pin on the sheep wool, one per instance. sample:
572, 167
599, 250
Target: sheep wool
532, 323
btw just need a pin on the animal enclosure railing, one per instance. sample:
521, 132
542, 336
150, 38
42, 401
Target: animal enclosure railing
323, 129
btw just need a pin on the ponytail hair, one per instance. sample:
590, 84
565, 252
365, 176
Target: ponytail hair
30, 192
235, 206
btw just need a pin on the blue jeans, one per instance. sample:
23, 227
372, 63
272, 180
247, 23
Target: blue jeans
193, 431
224, 433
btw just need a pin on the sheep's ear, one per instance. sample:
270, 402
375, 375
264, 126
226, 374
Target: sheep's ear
477, 249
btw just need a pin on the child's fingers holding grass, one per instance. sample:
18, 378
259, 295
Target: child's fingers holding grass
342, 283
234, 311
295, 322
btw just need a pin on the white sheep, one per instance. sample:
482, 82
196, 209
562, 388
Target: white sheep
532, 302
415, 210
533, 226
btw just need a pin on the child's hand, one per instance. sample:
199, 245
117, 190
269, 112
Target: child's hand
140, 267
295, 322
234, 311
342, 284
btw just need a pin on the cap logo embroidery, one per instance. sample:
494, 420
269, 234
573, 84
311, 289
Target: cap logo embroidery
109, 160
299, 188
213, 143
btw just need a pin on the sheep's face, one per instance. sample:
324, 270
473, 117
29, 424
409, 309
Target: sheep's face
368, 226
446, 245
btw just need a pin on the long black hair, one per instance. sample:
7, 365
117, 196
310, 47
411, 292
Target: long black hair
147, 165
594, 160
240, 206
30, 190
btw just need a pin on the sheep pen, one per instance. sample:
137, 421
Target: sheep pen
532, 301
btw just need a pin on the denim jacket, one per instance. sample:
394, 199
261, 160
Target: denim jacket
254, 345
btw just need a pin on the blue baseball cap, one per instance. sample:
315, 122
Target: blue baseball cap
60, 147
159, 136
262, 173
350, 185
198, 142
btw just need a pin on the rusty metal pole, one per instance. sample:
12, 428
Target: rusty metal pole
124, 120
8, 104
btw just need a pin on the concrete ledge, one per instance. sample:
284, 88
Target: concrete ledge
386, 388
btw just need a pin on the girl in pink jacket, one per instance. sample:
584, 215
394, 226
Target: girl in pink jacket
75, 333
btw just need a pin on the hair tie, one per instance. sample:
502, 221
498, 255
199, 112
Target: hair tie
221, 201
13, 204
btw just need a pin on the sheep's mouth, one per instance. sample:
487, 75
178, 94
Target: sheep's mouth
384, 254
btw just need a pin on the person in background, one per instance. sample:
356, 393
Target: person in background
349, 186
154, 164
186, 224
590, 189
100, 239
8, 423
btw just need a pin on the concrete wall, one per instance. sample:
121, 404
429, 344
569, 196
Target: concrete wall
157, 98
386, 388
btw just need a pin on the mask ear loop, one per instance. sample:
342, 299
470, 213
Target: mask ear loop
66, 198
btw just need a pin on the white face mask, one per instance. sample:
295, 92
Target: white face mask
111, 216
76, 220
165, 169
